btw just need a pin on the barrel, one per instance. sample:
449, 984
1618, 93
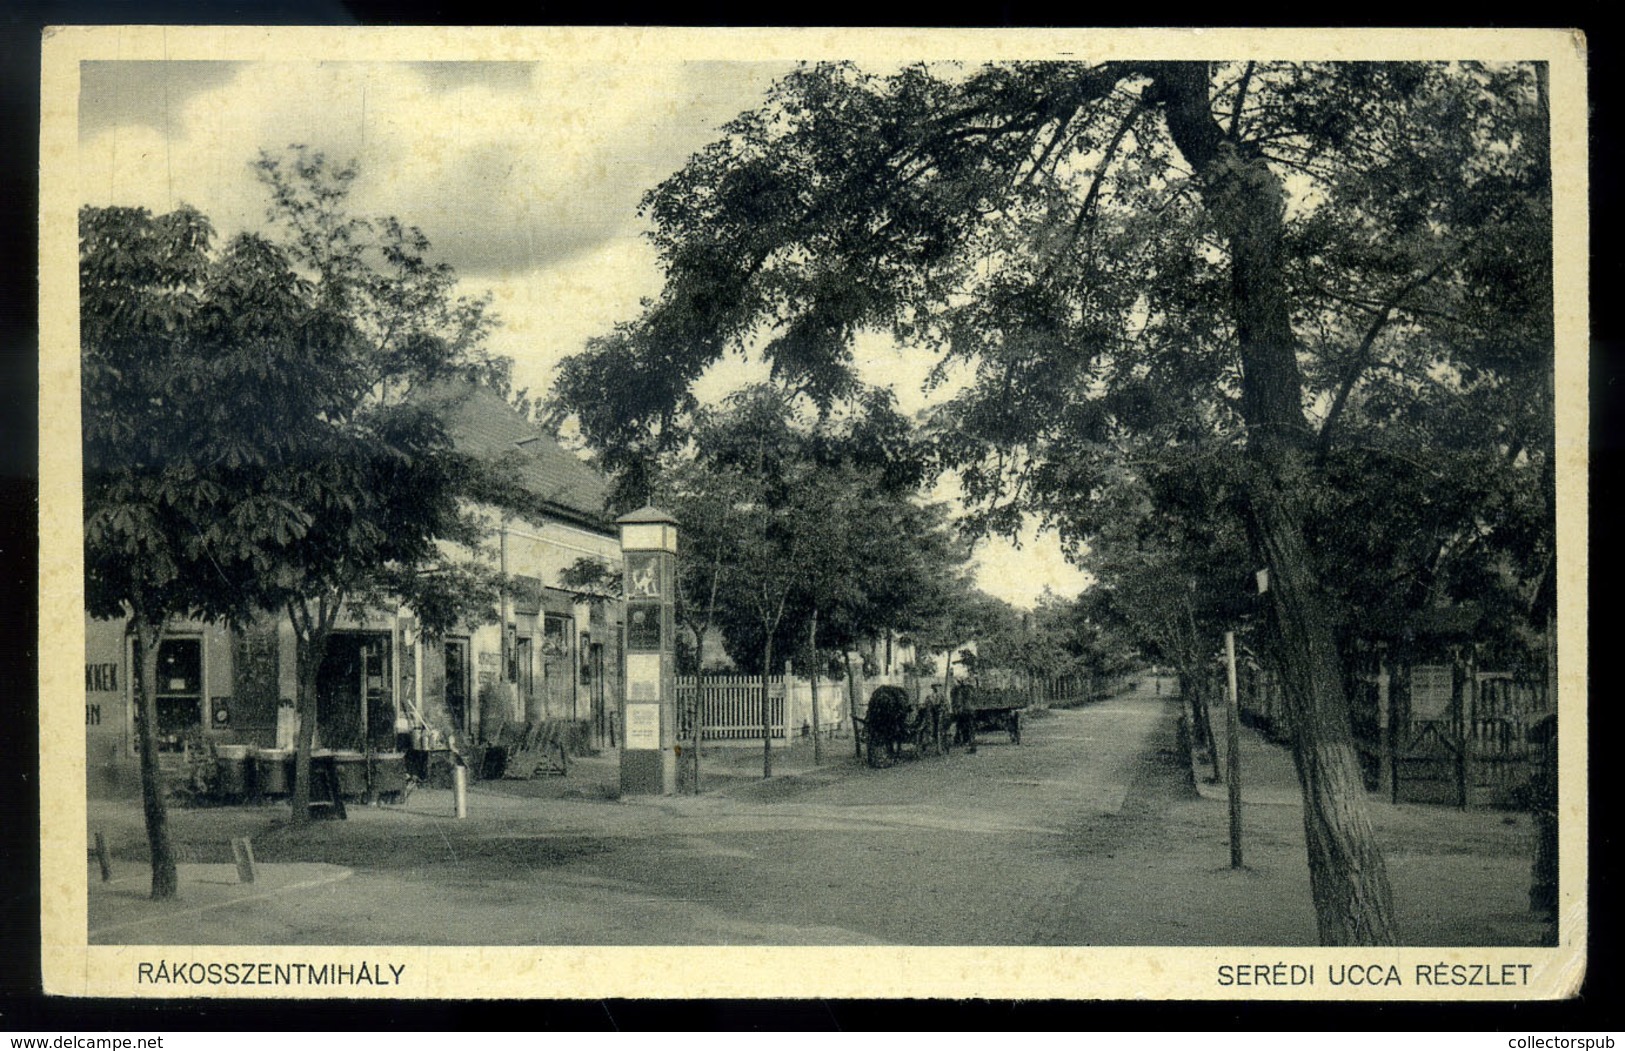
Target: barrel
234, 771
273, 771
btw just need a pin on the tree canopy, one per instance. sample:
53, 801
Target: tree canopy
1044, 222
171, 414
786, 516
254, 438
1303, 267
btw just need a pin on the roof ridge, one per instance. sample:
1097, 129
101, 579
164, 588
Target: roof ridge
482, 421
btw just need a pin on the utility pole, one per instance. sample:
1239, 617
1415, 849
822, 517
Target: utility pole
1232, 728
812, 673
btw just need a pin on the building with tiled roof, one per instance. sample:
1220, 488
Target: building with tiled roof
386, 689
484, 424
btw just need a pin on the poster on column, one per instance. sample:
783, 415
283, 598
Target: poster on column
643, 626
643, 726
643, 575
643, 676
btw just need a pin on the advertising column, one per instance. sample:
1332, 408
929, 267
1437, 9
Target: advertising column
649, 567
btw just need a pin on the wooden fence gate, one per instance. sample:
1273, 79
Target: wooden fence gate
1480, 754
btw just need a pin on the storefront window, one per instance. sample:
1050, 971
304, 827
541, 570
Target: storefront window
524, 665
355, 697
180, 689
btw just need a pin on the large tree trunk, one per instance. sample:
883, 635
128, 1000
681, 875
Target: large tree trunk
1194, 678
852, 703
305, 740
1204, 719
1349, 880
1245, 201
311, 634
1193, 685
697, 725
964, 719
149, 636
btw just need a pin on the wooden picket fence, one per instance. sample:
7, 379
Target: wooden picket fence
731, 708
1468, 750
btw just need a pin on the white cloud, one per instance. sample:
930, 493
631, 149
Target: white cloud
1017, 570
527, 183
502, 180
529, 187
550, 313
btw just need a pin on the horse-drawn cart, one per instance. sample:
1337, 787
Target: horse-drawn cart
978, 710
893, 720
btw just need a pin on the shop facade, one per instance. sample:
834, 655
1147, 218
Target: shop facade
386, 686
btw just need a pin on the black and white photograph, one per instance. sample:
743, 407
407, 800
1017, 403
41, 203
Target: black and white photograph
582, 512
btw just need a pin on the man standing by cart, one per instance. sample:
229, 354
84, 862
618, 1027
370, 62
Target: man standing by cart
964, 707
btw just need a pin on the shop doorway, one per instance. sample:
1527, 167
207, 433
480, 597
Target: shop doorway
457, 684
355, 697
524, 677
559, 666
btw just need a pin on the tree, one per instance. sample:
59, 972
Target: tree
707, 504
1091, 639
379, 490
1178, 251
844, 563
149, 477
961, 613
799, 525
321, 479
204, 374
1054, 643
228, 471
1172, 561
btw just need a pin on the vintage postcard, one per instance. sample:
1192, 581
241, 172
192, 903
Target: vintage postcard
642, 512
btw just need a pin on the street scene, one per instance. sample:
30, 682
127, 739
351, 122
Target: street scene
565, 501
1086, 834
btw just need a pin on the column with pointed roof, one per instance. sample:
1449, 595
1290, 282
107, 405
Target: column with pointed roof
649, 709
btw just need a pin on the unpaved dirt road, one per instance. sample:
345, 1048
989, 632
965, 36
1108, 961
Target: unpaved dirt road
1086, 834
955, 850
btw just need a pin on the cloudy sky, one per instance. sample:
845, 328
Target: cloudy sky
525, 176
